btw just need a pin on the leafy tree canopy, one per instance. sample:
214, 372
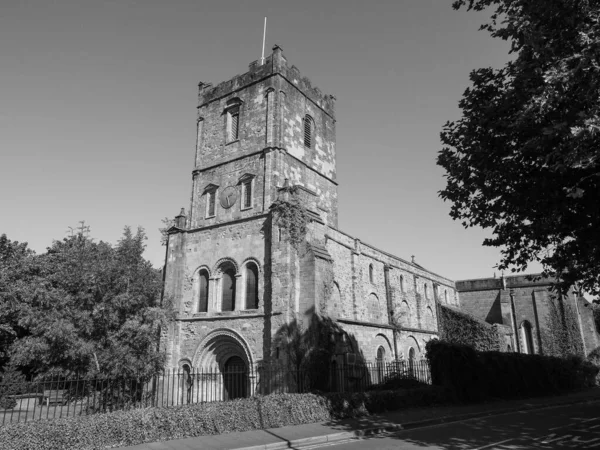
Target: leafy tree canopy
524, 158
85, 307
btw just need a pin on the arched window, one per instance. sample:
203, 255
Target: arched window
186, 383
445, 296
430, 318
527, 337
203, 291
380, 363
308, 126
426, 291
380, 355
232, 115
411, 361
401, 283
405, 314
251, 286
373, 309
371, 273
228, 290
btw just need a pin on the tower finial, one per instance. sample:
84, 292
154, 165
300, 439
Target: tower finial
262, 58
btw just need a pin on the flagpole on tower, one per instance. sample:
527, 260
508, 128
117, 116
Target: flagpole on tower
262, 58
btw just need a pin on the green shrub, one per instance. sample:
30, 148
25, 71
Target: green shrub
457, 368
594, 358
136, 426
470, 375
12, 382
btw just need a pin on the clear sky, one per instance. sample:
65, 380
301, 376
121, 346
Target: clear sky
98, 103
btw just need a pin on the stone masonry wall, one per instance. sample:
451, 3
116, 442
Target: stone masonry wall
489, 299
223, 176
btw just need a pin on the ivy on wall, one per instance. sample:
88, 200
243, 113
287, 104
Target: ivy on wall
460, 328
561, 337
290, 216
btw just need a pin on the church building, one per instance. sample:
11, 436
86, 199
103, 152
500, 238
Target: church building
232, 273
237, 275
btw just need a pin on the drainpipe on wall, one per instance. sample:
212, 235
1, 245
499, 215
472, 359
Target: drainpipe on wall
537, 323
579, 321
390, 307
514, 321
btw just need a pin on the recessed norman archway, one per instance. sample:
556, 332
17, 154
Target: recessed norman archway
218, 347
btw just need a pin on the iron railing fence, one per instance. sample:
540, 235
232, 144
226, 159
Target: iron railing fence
58, 396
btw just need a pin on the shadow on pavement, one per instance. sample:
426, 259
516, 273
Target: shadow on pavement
574, 426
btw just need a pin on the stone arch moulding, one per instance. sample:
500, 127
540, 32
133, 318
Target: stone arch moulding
182, 362
202, 267
218, 346
412, 342
252, 259
379, 337
268, 91
220, 262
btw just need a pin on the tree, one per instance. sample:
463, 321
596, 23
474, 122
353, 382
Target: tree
16, 284
523, 160
95, 310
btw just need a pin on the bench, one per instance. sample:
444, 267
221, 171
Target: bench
53, 396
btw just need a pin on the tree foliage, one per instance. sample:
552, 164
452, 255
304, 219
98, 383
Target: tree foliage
523, 160
84, 307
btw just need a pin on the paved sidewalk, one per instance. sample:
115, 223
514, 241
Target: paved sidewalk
315, 433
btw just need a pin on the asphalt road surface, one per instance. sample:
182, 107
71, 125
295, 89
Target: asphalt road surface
566, 427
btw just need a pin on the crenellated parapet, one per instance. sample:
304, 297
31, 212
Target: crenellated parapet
274, 64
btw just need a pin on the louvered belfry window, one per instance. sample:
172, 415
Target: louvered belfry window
308, 131
233, 124
247, 188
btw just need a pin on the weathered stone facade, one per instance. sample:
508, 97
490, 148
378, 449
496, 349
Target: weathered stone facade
234, 278
524, 305
252, 132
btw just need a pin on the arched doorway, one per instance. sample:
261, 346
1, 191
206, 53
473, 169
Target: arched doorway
235, 378
225, 365
527, 337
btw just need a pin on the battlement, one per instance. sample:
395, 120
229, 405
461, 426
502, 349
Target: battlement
274, 64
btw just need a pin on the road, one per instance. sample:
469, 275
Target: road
576, 426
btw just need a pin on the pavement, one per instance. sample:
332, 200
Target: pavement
315, 434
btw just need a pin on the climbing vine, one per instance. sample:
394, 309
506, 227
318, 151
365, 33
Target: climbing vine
327, 287
561, 337
291, 216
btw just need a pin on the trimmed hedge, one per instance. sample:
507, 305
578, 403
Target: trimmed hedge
594, 358
123, 428
461, 328
471, 376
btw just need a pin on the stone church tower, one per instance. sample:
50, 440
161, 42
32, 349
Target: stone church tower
232, 276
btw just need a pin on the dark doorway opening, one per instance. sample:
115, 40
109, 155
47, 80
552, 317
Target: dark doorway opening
235, 378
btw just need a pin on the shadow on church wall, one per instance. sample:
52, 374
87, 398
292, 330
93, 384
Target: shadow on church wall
314, 354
